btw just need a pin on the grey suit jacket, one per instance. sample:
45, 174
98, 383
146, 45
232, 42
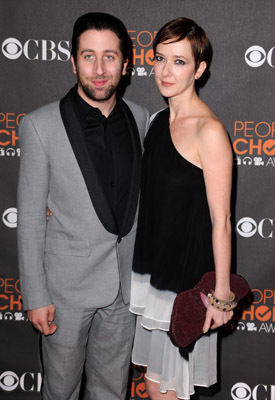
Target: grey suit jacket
73, 260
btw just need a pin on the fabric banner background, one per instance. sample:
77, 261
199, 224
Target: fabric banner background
35, 70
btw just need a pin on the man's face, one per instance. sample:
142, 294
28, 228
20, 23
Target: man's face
99, 65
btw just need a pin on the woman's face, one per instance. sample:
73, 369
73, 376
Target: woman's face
175, 68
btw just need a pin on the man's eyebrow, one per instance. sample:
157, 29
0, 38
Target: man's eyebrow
93, 51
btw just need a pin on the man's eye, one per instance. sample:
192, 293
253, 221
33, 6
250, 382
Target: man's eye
110, 57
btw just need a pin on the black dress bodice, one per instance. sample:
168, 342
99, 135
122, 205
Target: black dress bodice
174, 236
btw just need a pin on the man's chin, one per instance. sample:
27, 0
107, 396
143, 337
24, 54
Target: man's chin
100, 95
101, 98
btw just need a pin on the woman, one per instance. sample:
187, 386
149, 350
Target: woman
184, 225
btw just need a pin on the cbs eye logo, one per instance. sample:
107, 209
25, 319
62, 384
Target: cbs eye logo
12, 48
247, 227
241, 391
9, 217
255, 56
8, 381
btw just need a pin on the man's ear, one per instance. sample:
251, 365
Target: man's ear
200, 70
124, 66
74, 65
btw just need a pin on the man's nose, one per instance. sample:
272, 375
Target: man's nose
100, 67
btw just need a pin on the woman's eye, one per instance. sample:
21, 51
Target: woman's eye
180, 62
158, 58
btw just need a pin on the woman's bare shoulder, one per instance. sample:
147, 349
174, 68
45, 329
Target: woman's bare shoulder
209, 125
211, 132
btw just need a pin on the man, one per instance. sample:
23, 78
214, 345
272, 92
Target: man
81, 157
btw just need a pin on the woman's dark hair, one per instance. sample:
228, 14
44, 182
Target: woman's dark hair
182, 28
100, 21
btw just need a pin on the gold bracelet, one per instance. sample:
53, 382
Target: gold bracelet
222, 305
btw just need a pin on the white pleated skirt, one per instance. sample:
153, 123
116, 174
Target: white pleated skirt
165, 365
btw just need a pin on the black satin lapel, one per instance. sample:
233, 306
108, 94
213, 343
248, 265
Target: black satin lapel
74, 132
136, 173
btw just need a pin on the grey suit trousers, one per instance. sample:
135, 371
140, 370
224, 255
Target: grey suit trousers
101, 339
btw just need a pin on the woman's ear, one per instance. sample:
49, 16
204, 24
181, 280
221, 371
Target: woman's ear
200, 70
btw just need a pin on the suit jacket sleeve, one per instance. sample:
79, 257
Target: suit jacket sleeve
33, 190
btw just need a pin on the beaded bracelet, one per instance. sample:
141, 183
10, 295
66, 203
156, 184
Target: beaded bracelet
222, 305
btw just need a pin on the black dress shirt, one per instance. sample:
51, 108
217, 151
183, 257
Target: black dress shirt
110, 147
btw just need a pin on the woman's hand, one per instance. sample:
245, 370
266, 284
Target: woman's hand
215, 318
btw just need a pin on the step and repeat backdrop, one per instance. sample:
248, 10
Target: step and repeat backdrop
35, 69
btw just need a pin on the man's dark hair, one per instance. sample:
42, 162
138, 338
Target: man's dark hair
100, 21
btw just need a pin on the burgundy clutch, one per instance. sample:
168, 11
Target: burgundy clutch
189, 309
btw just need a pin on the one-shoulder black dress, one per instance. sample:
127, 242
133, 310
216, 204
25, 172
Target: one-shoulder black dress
173, 250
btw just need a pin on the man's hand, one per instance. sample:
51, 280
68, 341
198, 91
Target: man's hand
42, 319
48, 214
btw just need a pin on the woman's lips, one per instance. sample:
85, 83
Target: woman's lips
166, 84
